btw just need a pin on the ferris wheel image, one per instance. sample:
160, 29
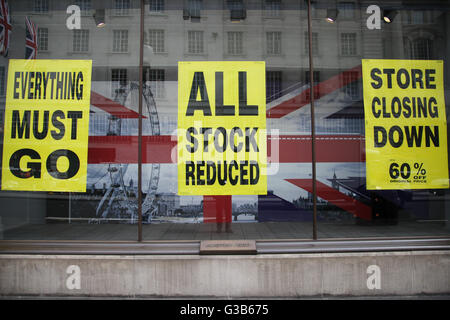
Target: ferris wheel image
118, 203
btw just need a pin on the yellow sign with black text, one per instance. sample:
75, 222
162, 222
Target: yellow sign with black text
46, 129
405, 124
222, 128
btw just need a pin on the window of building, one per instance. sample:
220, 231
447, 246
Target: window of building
272, 8
119, 78
120, 40
195, 42
42, 39
237, 10
156, 77
273, 85
315, 43
421, 49
348, 44
352, 88
80, 40
195, 8
85, 6
417, 17
273, 41
40, 6
346, 10
156, 6
235, 42
156, 40
121, 7
314, 9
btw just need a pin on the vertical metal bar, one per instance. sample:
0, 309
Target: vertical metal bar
313, 128
141, 60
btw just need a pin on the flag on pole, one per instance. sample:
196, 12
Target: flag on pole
31, 40
5, 27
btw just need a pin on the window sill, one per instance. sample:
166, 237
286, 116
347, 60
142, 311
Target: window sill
49, 14
267, 17
128, 15
273, 55
235, 55
196, 54
349, 55
79, 52
158, 14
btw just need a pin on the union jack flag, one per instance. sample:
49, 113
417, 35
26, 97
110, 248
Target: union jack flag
31, 40
5, 27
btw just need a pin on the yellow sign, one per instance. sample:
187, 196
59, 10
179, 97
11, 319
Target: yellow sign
222, 128
46, 125
405, 121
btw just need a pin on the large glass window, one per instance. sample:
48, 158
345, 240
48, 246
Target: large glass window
107, 210
347, 207
343, 34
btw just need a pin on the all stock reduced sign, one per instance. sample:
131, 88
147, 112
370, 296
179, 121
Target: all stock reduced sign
46, 125
222, 128
405, 122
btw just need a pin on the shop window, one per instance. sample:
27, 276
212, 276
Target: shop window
156, 40
272, 8
273, 43
195, 42
120, 40
156, 6
121, 7
235, 42
315, 43
345, 207
348, 44
273, 85
42, 39
80, 40
40, 6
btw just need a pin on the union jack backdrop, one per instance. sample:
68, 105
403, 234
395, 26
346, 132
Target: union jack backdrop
31, 40
5, 27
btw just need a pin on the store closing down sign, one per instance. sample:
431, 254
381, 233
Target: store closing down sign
405, 121
46, 125
222, 128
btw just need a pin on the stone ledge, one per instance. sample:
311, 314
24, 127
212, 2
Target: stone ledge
283, 275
